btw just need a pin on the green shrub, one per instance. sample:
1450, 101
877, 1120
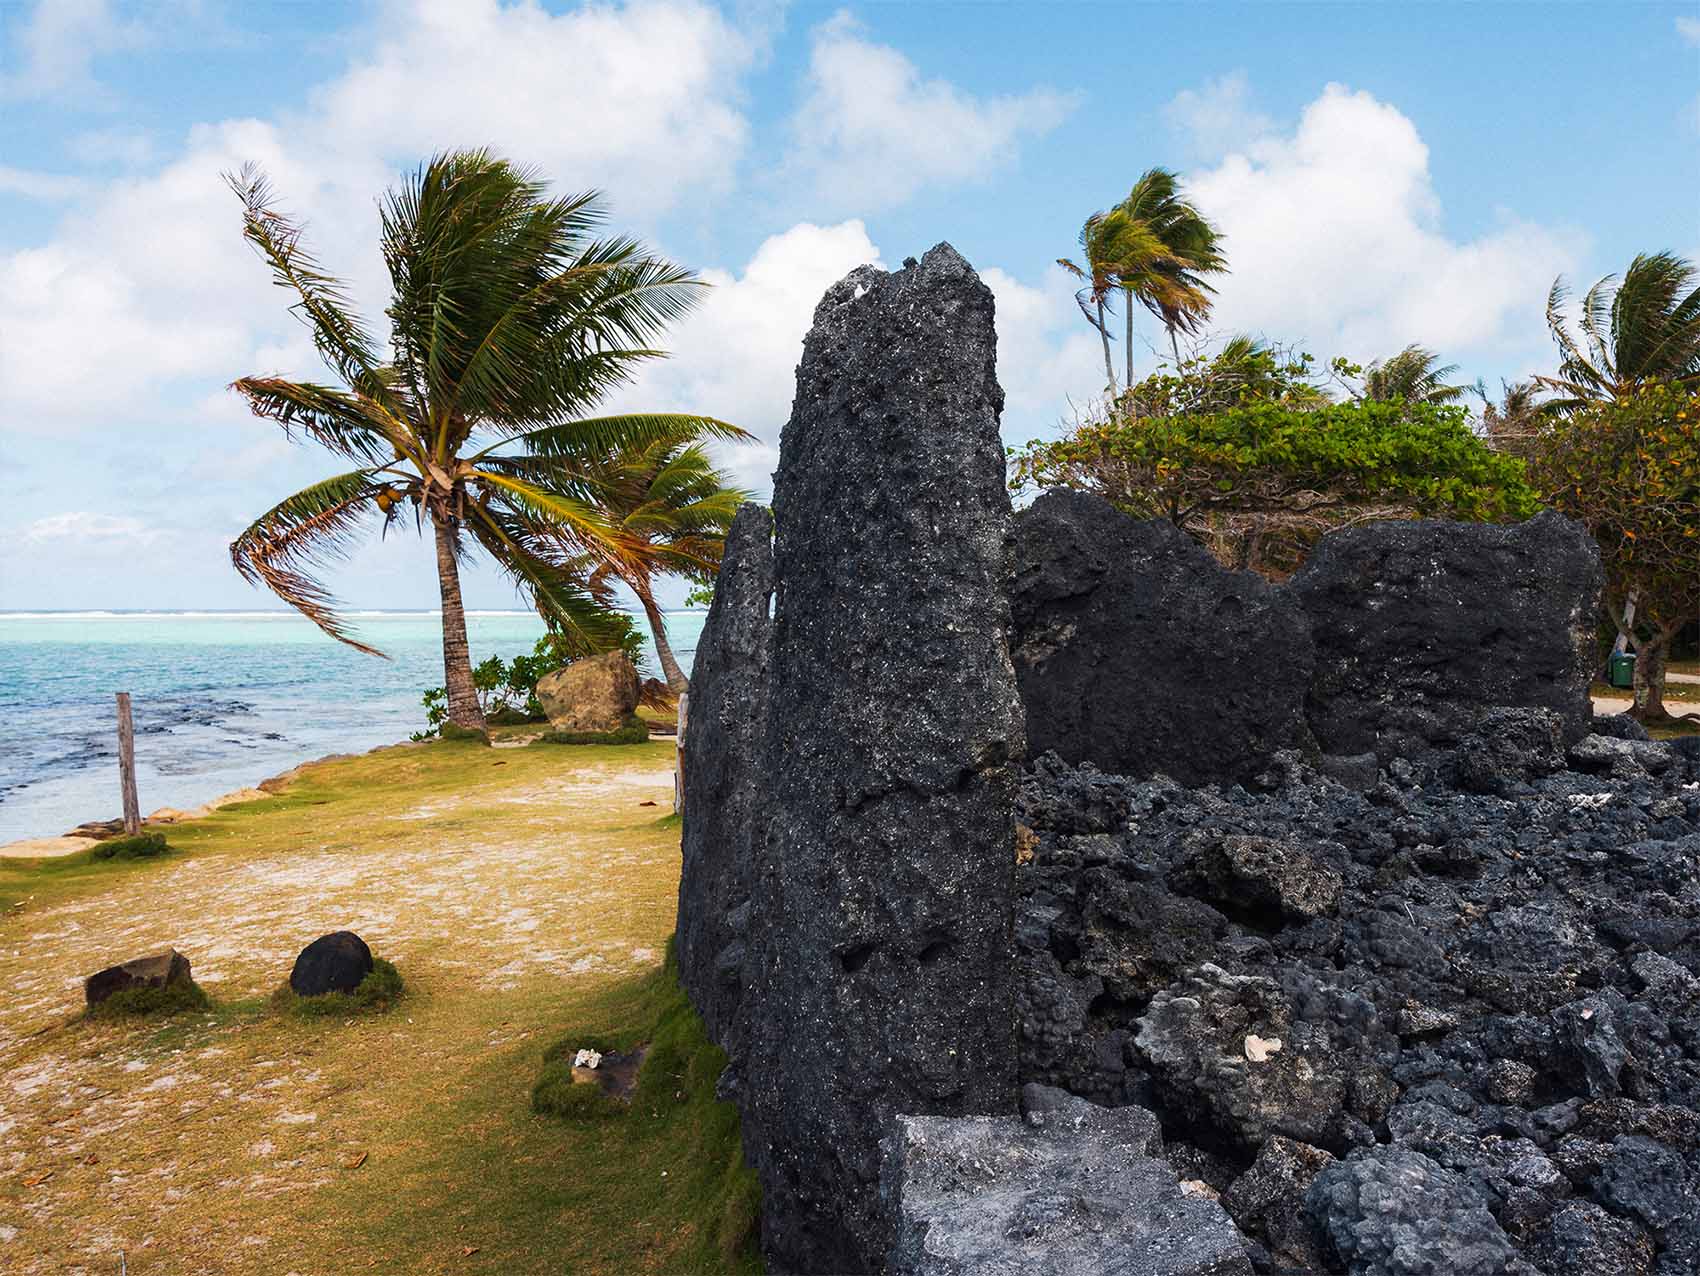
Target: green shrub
185, 996
635, 731
140, 846
377, 992
454, 731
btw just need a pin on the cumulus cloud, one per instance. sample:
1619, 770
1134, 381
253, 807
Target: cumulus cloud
1218, 116
34, 185
85, 527
872, 130
1336, 239
148, 285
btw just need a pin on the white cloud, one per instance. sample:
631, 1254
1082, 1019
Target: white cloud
1689, 30
43, 186
1218, 117
872, 131
86, 527
148, 284
1335, 239
1048, 359
60, 41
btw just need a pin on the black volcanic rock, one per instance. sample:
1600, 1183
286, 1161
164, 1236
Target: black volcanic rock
1136, 651
331, 963
1422, 628
882, 976
726, 719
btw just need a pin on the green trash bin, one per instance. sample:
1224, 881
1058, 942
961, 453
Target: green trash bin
1620, 670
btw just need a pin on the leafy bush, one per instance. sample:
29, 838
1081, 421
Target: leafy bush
182, 997
1259, 483
634, 731
139, 846
380, 990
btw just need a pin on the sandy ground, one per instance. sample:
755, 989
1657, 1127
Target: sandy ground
53, 847
164, 1143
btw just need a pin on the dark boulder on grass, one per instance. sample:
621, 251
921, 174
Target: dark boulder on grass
1136, 651
331, 963
726, 719
161, 971
882, 979
1423, 628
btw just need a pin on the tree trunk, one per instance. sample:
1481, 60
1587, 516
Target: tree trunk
1175, 345
1104, 335
1129, 368
1650, 677
676, 680
457, 658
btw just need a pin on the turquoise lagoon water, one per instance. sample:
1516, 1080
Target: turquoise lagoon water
222, 700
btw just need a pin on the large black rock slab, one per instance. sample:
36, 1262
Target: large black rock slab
726, 718
1423, 628
1136, 651
881, 952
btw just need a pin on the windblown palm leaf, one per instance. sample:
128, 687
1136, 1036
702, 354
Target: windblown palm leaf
1644, 328
1414, 375
509, 321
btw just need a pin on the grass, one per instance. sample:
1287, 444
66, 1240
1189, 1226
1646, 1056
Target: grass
183, 997
378, 991
528, 894
138, 846
634, 731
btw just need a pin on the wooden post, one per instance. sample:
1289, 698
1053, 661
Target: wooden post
127, 765
679, 755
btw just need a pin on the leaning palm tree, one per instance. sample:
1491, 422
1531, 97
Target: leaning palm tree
1645, 328
668, 498
1154, 247
509, 320
1414, 375
1516, 422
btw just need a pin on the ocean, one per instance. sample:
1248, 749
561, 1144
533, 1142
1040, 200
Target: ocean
221, 699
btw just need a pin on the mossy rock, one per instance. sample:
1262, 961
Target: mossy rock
137, 846
634, 731
511, 717
380, 990
183, 996
454, 731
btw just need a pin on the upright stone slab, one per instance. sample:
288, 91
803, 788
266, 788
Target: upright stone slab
1136, 651
1423, 628
723, 739
882, 978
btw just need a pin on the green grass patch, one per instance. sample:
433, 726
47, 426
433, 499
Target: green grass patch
138, 846
380, 990
634, 731
454, 731
183, 997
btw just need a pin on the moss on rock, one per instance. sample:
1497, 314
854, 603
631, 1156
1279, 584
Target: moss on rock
380, 990
634, 731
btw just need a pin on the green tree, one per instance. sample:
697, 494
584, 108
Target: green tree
1629, 470
1644, 328
509, 320
1516, 422
1155, 248
1414, 375
667, 498
1258, 484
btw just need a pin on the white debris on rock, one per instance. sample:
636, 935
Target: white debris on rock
587, 1059
1258, 1049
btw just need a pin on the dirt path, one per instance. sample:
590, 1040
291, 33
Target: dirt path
222, 1143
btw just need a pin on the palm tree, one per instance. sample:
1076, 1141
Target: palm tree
667, 497
1154, 247
1646, 328
508, 320
1162, 254
1515, 422
1411, 375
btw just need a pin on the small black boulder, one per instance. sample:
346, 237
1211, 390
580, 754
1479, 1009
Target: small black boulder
331, 963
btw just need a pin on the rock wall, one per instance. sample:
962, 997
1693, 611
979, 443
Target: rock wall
880, 979
1135, 651
726, 721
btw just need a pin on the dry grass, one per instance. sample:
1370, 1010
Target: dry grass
523, 894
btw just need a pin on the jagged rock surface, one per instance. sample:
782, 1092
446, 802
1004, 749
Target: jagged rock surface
1420, 628
882, 977
726, 721
1134, 650
1507, 987
1067, 1187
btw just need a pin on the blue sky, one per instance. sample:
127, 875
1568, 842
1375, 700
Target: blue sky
1385, 173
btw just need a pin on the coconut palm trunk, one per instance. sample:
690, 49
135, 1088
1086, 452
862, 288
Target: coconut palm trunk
676, 680
457, 656
1109, 364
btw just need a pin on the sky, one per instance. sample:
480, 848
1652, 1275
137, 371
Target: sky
1384, 173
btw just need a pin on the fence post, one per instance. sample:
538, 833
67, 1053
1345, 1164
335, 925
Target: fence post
127, 765
679, 756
